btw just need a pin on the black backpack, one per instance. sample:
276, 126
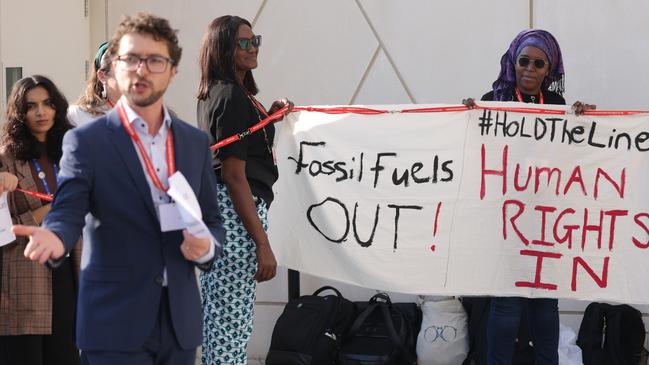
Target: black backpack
611, 335
382, 334
309, 329
477, 309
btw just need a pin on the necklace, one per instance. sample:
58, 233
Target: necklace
519, 96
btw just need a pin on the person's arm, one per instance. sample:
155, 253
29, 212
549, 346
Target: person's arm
207, 198
63, 224
232, 116
233, 173
9, 183
44, 246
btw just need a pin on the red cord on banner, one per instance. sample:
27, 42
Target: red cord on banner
615, 112
456, 108
523, 110
341, 110
564, 112
440, 109
370, 111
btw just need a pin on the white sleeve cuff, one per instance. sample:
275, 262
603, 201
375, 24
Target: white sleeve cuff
208, 256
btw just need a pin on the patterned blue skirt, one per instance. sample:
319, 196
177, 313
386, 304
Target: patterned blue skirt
228, 289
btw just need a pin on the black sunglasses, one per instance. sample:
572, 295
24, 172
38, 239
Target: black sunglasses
245, 43
524, 61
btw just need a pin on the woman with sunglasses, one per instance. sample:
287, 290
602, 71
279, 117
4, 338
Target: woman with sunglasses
245, 172
101, 92
37, 305
531, 71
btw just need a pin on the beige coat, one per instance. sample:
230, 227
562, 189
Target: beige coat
26, 296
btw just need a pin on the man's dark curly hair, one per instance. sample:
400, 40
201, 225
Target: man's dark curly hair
17, 139
156, 27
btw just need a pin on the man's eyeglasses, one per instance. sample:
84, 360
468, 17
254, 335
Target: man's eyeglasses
245, 43
524, 61
155, 64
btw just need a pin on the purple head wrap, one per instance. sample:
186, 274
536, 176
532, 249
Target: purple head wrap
504, 86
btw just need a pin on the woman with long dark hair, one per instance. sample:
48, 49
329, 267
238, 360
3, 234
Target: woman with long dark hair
245, 173
37, 306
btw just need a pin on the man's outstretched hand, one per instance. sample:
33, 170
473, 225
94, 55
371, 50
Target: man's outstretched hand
43, 244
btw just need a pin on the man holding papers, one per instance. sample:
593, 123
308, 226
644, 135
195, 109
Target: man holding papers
138, 297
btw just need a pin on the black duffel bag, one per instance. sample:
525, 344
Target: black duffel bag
309, 329
382, 334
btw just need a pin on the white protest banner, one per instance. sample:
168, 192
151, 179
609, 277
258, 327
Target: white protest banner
485, 202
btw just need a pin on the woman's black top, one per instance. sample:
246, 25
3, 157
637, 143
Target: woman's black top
227, 111
549, 97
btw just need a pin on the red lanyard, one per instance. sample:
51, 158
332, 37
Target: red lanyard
38, 195
171, 165
520, 97
258, 105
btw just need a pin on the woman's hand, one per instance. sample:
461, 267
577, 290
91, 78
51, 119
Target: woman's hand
266, 263
580, 108
279, 104
8, 182
469, 102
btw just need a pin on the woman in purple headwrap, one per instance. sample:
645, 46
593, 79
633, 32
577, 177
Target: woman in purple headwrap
531, 71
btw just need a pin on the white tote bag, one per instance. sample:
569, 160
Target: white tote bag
569, 352
444, 336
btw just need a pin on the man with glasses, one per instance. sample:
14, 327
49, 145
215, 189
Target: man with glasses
138, 298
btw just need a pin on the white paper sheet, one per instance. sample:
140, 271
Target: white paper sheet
190, 210
6, 236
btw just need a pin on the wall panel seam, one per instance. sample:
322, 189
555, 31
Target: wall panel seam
261, 8
364, 77
385, 51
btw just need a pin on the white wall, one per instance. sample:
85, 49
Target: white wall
605, 49
191, 18
355, 51
46, 37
